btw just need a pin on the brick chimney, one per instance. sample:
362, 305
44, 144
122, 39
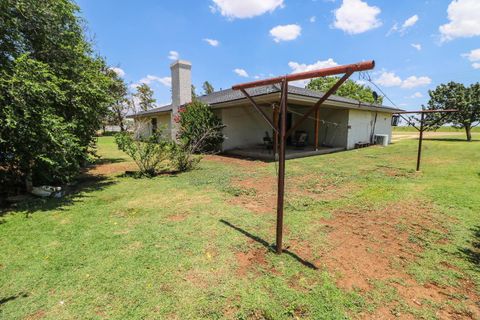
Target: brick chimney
181, 89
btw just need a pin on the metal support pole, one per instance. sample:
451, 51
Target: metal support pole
317, 125
275, 132
420, 140
281, 164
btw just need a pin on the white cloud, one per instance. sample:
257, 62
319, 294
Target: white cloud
464, 16
356, 16
212, 42
473, 56
150, 79
173, 55
390, 79
302, 67
241, 72
416, 95
118, 71
287, 32
414, 81
417, 46
245, 8
410, 22
313, 19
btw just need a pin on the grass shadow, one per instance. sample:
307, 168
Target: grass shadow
269, 246
11, 298
108, 161
472, 254
82, 186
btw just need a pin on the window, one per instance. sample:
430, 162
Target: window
154, 125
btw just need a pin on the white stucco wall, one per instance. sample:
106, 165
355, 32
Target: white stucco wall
144, 124
244, 126
361, 126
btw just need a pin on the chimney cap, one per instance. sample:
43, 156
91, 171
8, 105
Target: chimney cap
181, 63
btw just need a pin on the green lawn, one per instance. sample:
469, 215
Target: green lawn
193, 246
441, 129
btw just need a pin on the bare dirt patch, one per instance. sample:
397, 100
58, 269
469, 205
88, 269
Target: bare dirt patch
177, 217
264, 197
40, 314
249, 260
371, 245
107, 169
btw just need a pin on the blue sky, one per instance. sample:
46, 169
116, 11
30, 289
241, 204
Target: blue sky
416, 44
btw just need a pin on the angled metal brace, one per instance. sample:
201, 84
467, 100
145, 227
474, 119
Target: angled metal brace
320, 102
264, 115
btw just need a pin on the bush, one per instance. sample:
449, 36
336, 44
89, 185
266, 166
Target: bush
155, 153
182, 159
200, 129
149, 153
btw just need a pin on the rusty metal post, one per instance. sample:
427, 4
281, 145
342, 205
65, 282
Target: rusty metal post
281, 165
420, 140
317, 125
275, 133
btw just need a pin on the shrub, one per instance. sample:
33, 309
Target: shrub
155, 153
200, 129
183, 159
150, 153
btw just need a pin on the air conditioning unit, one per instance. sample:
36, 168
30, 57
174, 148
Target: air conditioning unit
381, 139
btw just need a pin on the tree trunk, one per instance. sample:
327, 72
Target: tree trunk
122, 127
468, 131
28, 178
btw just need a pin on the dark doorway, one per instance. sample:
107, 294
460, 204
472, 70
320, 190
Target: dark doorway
154, 125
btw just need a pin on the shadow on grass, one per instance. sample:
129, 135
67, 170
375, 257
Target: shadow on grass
108, 161
269, 246
472, 254
11, 298
83, 185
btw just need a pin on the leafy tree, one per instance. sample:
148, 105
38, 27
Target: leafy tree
144, 94
200, 129
120, 103
207, 88
53, 91
456, 96
194, 93
349, 89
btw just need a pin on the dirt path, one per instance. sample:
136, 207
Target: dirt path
398, 136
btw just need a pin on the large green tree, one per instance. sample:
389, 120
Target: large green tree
54, 92
349, 89
459, 97
207, 88
145, 98
121, 104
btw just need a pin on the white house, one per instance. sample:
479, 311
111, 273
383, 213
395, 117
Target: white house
343, 123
